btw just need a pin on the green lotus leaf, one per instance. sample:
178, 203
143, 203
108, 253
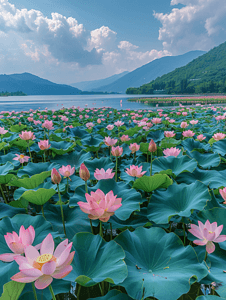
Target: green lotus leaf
190, 144
9, 211
75, 159
21, 144
156, 136
176, 164
151, 183
32, 182
62, 147
5, 177
220, 147
155, 259
12, 290
33, 168
169, 142
113, 295
17, 128
9, 158
177, 200
92, 141
206, 160
96, 260
209, 297
78, 132
103, 162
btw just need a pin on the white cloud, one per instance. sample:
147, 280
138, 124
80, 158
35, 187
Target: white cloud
200, 24
103, 39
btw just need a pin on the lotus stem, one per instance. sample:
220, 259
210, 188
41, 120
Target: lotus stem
184, 233
86, 187
34, 291
205, 256
3, 194
44, 156
102, 292
61, 208
67, 184
29, 150
101, 230
151, 165
116, 167
147, 156
91, 225
79, 289
52, 293
43, 212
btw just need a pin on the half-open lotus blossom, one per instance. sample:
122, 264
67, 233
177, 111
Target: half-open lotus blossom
55, 176
124, 138
21, 158
218, 136
135, 171
207, 234
109, 141
44, 266
193, 122
27, 135
2, 130
169, 133
67, 171
43, 145
223, 194
184, 124
134, 147
188, 133
17, 243
110, 127
102, 174
48, 125
171, 152
116, 151
156, 121
100, 206
119, 123
201, 137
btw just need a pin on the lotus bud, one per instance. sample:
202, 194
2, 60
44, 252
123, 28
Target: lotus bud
152, 146
19, 123
84, 172
55, 176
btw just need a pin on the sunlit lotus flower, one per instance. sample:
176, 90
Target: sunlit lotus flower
152, 146
171, 152
2, 130
84, 172
135, 171
102, 174
124, 138
17, 243
100, 206
43, 145
67, 171
169, 133
156, 121
218, 136
184, 124
109, 141
27, 135
188, 133
44, 266
201, 137
48, 125
223, 194
116, 151
110, 127
21, 158
119, 123
207, 234
55, 176
134, 147
184, 113
193, 122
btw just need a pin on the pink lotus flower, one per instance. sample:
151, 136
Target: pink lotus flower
124, 138
134, 147
116, 151
109, 141
102, 174
90, 125
169, 133
2, 130
43, 145
223, 194
201, 137
21, 158
172, 121
55, 176
171, 152
37, 122
27, 135
156, 121
48, 125
17, 243
207, 234
44, 266
184, 124
184, 113
218, 136
119, 123
67, 171
64, 118
100, 206
135, 171
110, 127
188, 133
84, 172
193, 122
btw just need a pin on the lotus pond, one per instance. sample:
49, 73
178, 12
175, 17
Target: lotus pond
113, 205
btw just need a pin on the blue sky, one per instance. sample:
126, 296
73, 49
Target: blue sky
70, 41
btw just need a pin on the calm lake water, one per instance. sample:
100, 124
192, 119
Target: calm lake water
19, 103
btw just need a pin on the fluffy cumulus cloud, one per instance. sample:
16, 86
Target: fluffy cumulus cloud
199, 24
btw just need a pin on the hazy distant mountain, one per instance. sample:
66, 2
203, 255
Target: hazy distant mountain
149, 72
34, 85
95, 84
